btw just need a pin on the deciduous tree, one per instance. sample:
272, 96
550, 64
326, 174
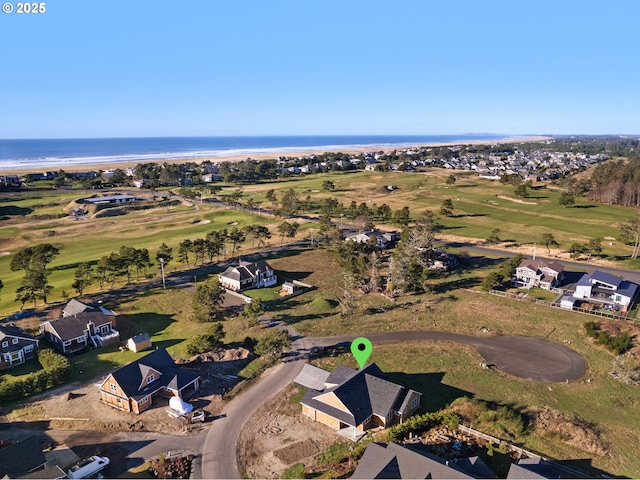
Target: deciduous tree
630, 233
548, 241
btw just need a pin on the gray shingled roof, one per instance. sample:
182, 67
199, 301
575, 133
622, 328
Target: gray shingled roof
394, 461
363, 393
68, 328
9, 330
21, 457
533, 468
130, 376
246, 270
73, 307
312, 377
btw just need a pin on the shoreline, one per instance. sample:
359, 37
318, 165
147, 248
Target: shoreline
259, 156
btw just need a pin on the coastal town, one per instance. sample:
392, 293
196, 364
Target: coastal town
317, 240
236, 342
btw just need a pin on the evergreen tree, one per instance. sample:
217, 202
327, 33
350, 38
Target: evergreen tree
83, 277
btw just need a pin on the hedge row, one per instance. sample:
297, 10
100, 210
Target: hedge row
618, 344
420, 423
55, 370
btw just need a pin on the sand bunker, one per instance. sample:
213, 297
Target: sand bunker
516, 200
200, 222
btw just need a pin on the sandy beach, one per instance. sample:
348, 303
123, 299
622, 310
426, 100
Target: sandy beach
238, 158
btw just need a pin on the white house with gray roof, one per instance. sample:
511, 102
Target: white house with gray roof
605, 288
248, 275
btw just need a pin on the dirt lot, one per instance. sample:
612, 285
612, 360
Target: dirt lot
278, 436
79, 407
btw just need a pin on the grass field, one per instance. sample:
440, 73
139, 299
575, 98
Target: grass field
441, 371
477, 211
445, 371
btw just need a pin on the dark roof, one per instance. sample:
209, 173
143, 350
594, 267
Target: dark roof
607, 278
130, 376
628, 289
584, 281
340, 374
394, 461
9, 330
68, 328
47, 473
363, 393
246, 270
532, 468
21, 457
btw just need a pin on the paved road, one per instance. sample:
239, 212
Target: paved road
219, 458
525, 357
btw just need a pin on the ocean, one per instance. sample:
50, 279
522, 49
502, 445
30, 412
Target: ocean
64, 153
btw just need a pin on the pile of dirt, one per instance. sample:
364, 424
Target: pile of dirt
220, 355
574, 431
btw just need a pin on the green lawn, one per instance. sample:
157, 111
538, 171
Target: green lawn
446, 371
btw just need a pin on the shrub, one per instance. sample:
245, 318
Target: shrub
294, 471
55, 370
420, 423
617, 344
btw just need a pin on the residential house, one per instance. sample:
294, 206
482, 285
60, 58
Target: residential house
83, 330
16, 346
535, 273
383, 239
74, 307
606, 288
529, 468
444, 261
390, 460
21, 458
132, 388
353, 401
110, 200
248, 275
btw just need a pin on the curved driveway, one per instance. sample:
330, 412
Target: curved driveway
526, 357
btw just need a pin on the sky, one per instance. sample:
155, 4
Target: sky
119, 68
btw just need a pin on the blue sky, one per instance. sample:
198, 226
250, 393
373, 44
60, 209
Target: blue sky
167, 68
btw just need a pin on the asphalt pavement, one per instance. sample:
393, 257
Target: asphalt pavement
527, 357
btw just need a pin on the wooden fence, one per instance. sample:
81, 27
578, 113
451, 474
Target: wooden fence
523, 297
476, 433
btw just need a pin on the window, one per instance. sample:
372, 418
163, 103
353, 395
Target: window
28, 348
144, 400
414, 403
67, 343
113, 387
104, 329
14, 341
5, 344
150, 378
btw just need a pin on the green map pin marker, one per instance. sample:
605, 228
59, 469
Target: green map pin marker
361, 349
